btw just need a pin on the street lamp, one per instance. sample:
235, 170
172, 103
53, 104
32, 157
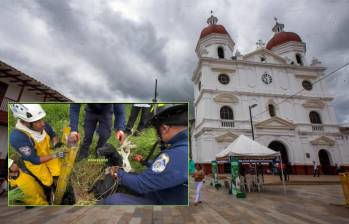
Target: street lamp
250, 107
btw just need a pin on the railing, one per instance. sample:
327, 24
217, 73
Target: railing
317, 127
4, 102
222, 123
227, 123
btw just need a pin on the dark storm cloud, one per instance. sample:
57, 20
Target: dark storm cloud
94, 50
323, 25
118, 48
118, 40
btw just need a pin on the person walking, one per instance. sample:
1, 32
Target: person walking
199, 177
315, 169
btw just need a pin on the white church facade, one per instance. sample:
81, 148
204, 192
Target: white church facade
289, 103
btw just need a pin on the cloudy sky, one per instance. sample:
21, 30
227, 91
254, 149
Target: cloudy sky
114, 50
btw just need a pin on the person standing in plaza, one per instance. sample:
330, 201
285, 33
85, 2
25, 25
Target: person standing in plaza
315, 169
282, 171
260, 171
338, 168
199, 177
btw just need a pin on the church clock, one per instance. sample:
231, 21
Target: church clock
266, 78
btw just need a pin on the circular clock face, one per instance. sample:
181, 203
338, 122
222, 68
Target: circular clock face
266, 78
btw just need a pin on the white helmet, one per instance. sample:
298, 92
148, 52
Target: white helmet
10, 162
27, 112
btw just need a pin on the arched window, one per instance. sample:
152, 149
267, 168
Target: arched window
227, 113
271, 109
314, 117
220, 52
299, 59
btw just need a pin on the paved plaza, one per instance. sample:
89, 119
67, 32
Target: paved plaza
309, 203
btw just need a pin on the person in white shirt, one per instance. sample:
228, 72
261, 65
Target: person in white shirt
315, 169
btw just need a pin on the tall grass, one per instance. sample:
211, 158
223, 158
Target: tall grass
15, 197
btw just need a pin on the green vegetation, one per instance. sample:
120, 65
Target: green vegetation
15, 197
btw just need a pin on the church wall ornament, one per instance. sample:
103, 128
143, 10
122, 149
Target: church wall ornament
226, 98
276, 123
323, 141
317, 104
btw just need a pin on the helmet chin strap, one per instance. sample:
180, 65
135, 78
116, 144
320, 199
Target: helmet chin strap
31, 127
162, 143
28, 125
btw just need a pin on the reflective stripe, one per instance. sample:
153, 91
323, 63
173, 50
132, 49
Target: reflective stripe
155, 106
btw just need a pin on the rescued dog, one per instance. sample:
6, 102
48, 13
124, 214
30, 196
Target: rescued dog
108, 185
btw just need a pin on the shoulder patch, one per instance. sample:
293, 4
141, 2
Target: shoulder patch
160, 163
25, 150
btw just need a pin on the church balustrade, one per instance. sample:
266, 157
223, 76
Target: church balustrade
223, 123
227, 123
317, 127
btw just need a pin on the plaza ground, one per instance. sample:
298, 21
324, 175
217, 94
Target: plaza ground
308, 200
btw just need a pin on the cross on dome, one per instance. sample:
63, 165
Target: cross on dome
212, 20
279, 27
260, 44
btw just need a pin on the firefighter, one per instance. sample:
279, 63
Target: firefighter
32, 138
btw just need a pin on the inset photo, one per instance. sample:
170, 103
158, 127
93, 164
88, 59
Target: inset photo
98, 154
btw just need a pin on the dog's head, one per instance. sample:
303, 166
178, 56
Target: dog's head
110, 153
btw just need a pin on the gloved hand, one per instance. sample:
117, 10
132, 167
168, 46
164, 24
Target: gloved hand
58, 145
59, 155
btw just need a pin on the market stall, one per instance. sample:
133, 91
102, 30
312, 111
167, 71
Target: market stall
249, 151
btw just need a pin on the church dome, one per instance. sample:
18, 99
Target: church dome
282, 37
213, 28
